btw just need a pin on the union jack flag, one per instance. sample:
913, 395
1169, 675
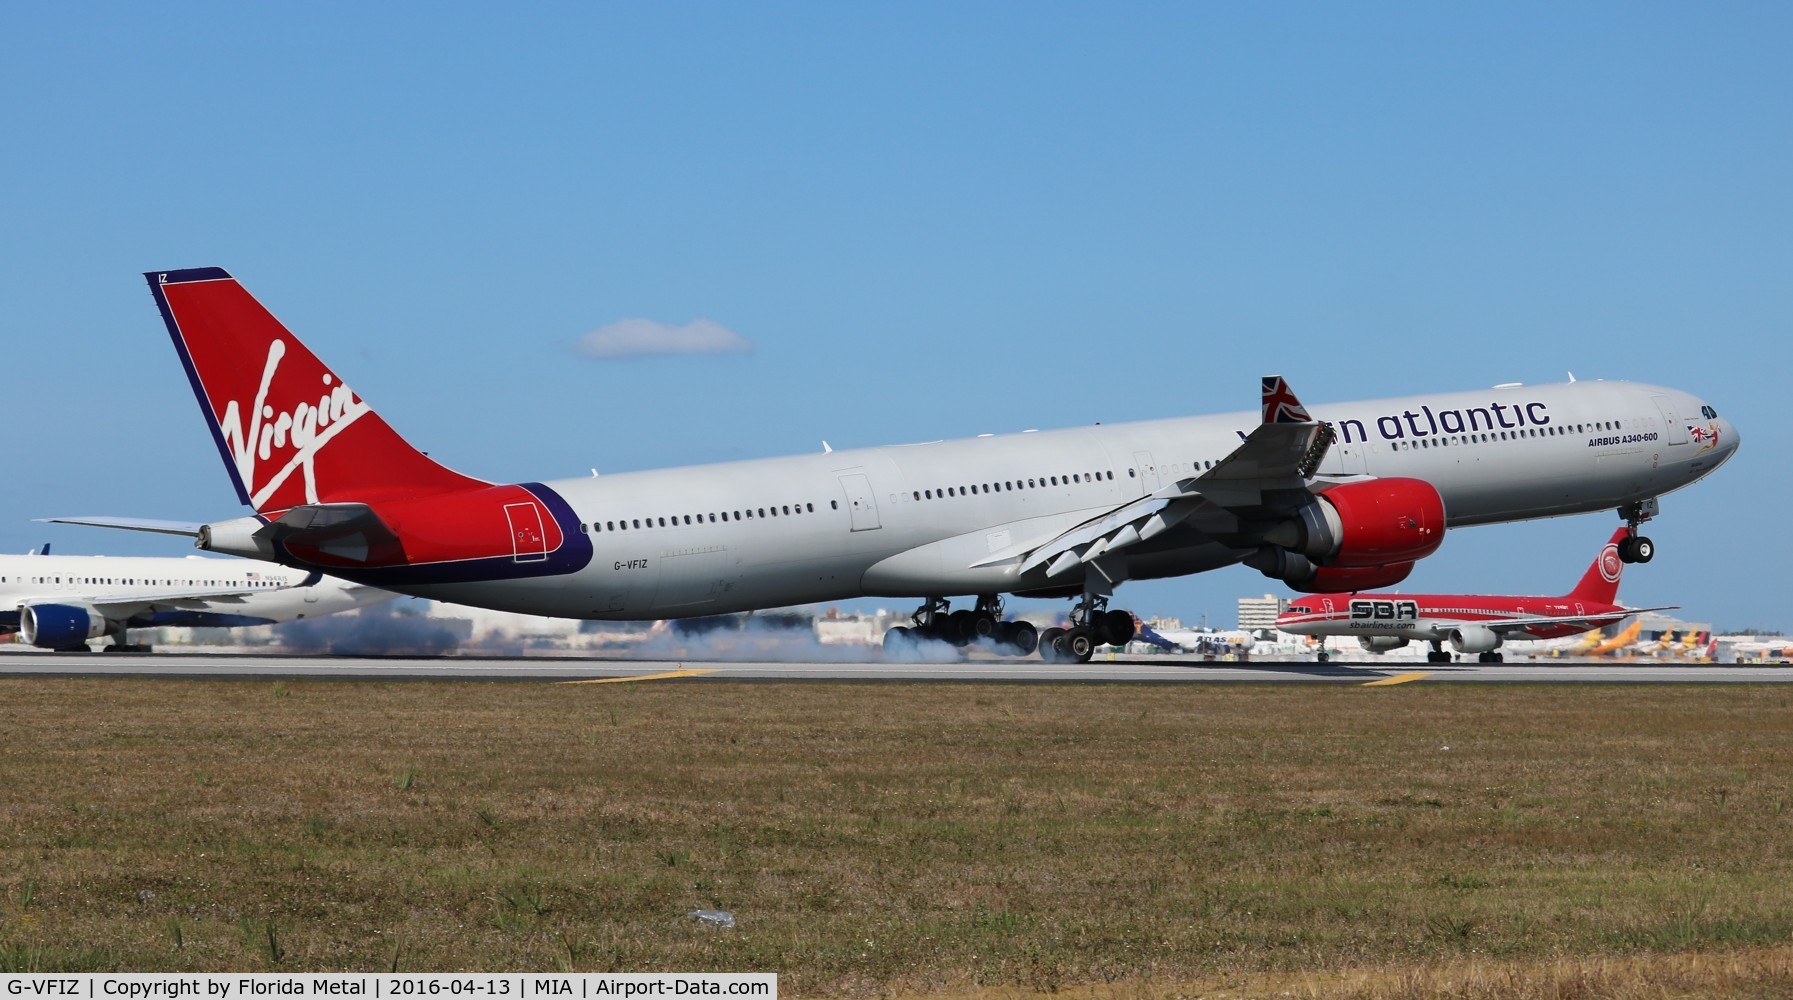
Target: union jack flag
1280, 404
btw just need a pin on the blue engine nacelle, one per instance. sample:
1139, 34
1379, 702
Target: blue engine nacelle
59, 626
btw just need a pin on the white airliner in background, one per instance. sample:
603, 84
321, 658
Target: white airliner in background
1347, 498
60, 602
1189, 640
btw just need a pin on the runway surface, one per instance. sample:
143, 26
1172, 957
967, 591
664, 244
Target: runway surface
1157, 670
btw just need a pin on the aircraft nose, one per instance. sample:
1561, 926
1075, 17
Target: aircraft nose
1731, 438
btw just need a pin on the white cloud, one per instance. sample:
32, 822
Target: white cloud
636, 338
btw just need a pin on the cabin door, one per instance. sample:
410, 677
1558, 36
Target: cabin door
529, 543
860, 501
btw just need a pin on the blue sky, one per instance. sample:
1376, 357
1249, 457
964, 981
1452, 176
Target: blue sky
927, 220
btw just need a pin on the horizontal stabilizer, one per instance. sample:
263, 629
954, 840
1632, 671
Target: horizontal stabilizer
188, 528
1597, 620
314, 523
347, 530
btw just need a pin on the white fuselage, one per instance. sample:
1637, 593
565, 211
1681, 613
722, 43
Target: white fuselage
146, 591
932, 519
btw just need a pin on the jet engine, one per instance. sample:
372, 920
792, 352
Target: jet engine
1380, 643
1348, 580
1381, 526
60, 626
1474, 639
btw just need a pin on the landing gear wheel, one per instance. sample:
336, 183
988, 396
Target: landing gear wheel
1438, 657
981, 625
1322, 656
1488, 658
1022, 637
1116, 628
899, 641
1638, 548
1078, 645
1050, 641
959, 629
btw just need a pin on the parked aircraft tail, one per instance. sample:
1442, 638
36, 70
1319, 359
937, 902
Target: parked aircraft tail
1600, 584
290, 430
1145, 633
1619, 645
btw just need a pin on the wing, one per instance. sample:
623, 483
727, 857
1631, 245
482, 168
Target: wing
125, 606
1265, 478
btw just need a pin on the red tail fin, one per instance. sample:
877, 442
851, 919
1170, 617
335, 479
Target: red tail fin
291, 432
1601, 582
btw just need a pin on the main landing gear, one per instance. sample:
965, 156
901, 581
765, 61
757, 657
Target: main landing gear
1638, 548
1438, 655
122, 644
936, 625
1092, 625
936, 622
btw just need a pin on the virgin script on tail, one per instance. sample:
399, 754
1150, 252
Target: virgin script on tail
307, 427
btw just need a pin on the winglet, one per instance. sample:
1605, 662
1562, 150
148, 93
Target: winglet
1280, 404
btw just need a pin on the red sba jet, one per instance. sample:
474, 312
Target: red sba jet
1470, 623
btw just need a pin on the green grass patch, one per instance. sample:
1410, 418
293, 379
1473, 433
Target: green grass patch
888, 838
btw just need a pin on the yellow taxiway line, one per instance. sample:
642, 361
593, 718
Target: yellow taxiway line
681, 672
1396, 679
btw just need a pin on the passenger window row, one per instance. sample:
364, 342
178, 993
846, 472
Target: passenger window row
1011, 485
680, 520
107, 581
1445, 440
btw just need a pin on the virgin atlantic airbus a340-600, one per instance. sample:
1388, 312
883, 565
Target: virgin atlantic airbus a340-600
1344, 498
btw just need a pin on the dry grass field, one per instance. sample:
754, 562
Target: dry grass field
976, 841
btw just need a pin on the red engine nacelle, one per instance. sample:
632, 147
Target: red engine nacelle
1351, 579
1372, 523
1375, 530
1383, 521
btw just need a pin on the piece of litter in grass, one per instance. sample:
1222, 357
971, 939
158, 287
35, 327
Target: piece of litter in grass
715, 918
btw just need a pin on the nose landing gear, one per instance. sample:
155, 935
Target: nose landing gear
1638, 548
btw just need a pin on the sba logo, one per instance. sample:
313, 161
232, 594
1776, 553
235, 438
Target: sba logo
1384, 611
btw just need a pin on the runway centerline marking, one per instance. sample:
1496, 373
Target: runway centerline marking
1396, 679
681, 672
